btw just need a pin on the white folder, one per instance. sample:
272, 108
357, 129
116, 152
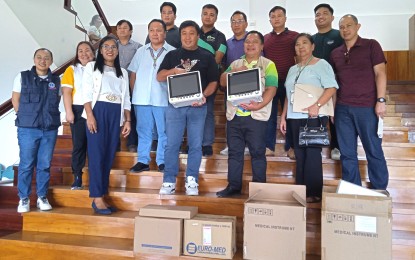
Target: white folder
307, 95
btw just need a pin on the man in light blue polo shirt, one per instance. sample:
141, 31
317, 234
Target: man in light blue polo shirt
150, 97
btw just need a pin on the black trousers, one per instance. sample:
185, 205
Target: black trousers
78, 140
309, 168
242, 131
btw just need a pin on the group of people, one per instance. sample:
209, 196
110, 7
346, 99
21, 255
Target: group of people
100, 92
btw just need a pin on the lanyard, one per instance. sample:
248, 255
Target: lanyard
154, 57
301, 69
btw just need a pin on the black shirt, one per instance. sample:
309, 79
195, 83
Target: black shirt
205, 63
326, 42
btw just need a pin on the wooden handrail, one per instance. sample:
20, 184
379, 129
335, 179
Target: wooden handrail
7, 105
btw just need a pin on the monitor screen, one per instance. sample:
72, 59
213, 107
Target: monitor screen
184, 84
243, 82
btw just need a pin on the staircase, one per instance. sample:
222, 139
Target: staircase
72, 231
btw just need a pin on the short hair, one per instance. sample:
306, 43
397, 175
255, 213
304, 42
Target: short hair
211, 6
351, 16
307, 35
261, 37
324, 6
157, 21
239, 12
99, 64
76, 60
187, 24
43, 49
173, 7
94, 18
275, 8
125, 21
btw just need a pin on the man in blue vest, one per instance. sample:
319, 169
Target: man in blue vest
36, 96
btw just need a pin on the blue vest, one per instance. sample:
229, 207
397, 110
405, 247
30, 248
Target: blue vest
39, 101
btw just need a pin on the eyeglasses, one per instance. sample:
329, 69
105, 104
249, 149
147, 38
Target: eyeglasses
237, 22
109, 47
347, 57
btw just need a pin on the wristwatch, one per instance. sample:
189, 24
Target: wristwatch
318, 104
381, 100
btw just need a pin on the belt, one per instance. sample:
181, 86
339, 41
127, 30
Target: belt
111, 98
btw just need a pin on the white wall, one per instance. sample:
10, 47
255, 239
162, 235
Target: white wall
384, 20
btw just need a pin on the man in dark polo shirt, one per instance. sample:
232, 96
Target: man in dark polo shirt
278, 47
325, 41
191, 118
168, 15
213, 41
360, 68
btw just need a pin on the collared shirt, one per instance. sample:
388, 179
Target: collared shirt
271, 80
212, 41
172, 37
325, 43
354, 72
147, 90
72, 78
235, 49
280, 48
126, 52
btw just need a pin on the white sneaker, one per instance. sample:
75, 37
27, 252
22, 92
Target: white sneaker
335, 154
246, 151
224, 151
167, 188
191, 186
43, 204
24, 205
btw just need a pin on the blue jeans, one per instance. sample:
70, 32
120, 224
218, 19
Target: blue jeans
36, 150
177, 120
360, 121
209, 129
147, 116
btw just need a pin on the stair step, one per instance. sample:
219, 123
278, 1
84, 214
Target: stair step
23, 245
9, 218
81, 221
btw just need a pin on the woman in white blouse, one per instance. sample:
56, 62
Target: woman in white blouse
107, 107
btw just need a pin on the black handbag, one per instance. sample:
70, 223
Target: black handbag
313, 136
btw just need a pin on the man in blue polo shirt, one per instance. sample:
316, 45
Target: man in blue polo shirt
235, 48
150, 97
213, 41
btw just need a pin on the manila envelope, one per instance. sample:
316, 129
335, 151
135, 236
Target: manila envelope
306, 95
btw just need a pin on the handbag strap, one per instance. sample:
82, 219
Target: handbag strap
319, 118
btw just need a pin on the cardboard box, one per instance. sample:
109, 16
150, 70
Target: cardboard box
275, 222
158, 236
168, 211
210, 236
355, 226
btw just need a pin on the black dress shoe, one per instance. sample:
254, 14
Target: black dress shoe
207, 150
139, 167
161, 167
228, 192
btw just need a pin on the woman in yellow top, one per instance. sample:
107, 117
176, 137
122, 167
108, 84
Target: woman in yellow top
74, 106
